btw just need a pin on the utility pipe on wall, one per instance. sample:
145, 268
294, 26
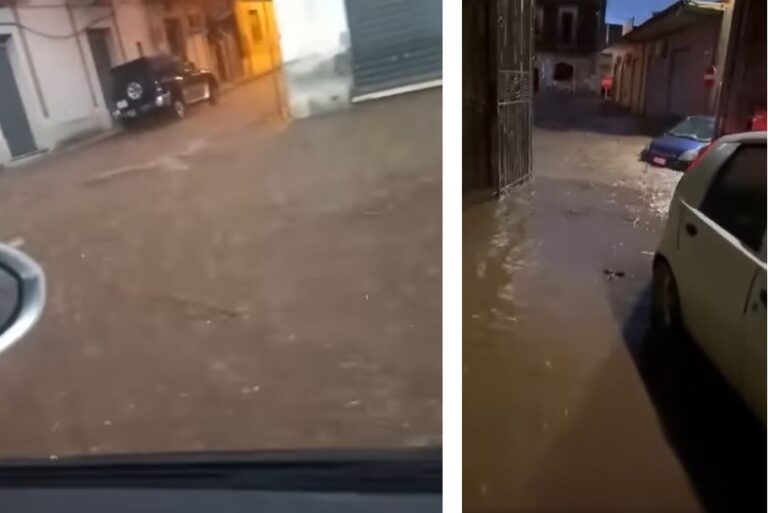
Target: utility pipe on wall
30, 62
81, 53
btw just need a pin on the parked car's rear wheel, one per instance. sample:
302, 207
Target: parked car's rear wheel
178, 108
665, 301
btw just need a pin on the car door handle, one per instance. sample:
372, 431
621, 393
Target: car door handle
691, 229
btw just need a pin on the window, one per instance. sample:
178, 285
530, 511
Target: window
736, 200
567, 18
539, 27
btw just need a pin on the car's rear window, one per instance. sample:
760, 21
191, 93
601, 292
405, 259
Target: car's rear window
698, 128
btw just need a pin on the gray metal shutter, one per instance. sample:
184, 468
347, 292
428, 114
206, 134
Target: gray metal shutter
394, 43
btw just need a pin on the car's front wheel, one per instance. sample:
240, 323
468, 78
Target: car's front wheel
178, 108
665, 301
213, 92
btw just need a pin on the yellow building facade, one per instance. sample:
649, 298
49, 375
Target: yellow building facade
259, 36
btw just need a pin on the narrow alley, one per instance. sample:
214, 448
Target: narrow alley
232, 281
569, 405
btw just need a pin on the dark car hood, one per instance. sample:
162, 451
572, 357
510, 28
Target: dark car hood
362, 471
385, 481
671, 146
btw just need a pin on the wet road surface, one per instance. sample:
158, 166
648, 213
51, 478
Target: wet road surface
233, 282
569, 403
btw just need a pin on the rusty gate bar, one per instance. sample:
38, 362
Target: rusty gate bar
512, 139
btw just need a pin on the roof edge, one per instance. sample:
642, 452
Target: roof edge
703, 7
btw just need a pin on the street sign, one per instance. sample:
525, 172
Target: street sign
709, 76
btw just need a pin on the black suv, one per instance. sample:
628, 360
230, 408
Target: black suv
160, 83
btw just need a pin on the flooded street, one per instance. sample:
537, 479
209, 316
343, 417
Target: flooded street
569, 405
233, 282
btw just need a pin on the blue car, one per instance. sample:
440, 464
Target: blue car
681, 144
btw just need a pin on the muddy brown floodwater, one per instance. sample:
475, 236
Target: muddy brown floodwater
231, 282
569, 404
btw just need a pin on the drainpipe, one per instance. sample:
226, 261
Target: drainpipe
30, 62
721, 55
644, 78
81, 53
119, 35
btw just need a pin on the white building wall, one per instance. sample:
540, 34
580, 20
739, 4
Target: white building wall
133, 21
56, 78
63, 79
314, 41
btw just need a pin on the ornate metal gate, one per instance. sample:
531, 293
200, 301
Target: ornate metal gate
513, 139
498, 84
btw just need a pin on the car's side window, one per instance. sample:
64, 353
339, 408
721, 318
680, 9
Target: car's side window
163, 66
736, 199
179, 68
172, 66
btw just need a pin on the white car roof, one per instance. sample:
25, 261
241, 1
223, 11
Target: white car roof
745, 137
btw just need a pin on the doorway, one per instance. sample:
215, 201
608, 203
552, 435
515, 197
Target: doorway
679, 95
98, 40
629, 87
176, 43
13, 117
260, 33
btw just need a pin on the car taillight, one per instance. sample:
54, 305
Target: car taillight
700, 156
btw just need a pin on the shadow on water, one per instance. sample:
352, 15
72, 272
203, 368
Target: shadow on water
590, 113
719, 442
